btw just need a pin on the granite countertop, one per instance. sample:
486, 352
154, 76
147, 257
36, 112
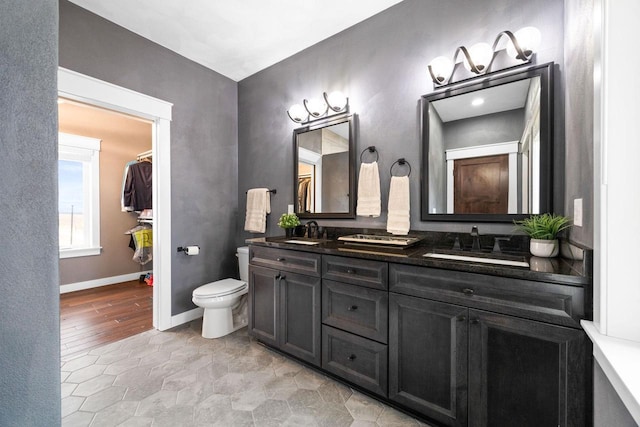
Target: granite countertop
553, 270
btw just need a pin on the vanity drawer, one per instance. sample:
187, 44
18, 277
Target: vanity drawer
547, 302
372, 274
356, 359
285, 260
356, 309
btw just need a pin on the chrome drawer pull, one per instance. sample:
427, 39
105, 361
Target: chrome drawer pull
352, 357
467, 291
475, 321
280, 259
352, 308
351, 271
461, 319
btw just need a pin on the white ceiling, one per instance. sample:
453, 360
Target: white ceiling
505, 97
236, 38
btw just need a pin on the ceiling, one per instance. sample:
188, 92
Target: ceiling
496, 99
236, 38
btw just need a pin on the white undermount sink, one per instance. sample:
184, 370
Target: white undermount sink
302, 242
471, 258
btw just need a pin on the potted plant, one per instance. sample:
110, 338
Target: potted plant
543, 230
288, 222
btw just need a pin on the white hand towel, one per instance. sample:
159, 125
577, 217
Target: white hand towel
258, 206
398, 221
368, 190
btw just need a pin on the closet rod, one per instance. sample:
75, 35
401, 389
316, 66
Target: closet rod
145, 154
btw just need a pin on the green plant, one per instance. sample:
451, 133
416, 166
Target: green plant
544, 227
288, 221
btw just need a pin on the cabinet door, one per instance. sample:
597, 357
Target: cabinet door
428, 343
263, 296
300, 316
525, 373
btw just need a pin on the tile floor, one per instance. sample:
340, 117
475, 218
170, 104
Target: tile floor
178, 378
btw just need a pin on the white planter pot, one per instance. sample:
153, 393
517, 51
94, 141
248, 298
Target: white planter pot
544, 248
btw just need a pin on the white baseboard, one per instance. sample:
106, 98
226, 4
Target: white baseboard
187, 316
79, 286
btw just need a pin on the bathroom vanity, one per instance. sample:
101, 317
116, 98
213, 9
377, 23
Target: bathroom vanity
457, 343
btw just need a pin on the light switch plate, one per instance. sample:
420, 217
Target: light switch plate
577, 212
290, 209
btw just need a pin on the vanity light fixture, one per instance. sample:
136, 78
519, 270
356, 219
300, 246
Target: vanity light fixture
298, 113
478, 59
317, 108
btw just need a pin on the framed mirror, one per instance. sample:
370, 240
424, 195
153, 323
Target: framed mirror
487, 147
324, 169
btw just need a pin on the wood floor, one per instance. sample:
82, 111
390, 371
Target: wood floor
99, 316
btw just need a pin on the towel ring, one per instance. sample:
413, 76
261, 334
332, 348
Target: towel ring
371, 149
400, 162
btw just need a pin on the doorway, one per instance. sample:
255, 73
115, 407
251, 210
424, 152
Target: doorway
103, 298
91, 91
481, 185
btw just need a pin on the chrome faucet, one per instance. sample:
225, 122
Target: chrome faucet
476, 239
312, 229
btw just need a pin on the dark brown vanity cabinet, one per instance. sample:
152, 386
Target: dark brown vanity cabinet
465, 366
460, 348
284, 306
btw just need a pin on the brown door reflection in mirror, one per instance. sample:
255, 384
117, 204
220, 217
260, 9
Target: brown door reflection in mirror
481, 185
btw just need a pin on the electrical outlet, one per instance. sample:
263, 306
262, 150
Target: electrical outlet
289, 209
577, 212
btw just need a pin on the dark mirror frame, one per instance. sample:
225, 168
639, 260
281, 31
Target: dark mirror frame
545, 72
319, 124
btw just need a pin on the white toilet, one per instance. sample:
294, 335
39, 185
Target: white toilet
225, 301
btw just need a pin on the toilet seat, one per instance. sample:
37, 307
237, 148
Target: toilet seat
220, 288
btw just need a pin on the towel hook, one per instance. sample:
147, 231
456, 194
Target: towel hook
400, 162
371, 149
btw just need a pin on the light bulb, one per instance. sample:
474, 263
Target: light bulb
441, 69
481, 54
477, 102
297, 113
316, 107
529, 39
336, 100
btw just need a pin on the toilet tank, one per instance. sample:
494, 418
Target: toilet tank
243, 263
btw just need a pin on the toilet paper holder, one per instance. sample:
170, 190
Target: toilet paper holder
189, 250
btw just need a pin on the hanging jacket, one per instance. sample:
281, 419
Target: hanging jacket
137, 192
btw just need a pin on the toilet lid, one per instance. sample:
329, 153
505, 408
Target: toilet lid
220, 288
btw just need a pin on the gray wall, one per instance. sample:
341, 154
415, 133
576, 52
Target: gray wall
608, 408
203, 138
579, 113
29, 330
381, 64
489, 129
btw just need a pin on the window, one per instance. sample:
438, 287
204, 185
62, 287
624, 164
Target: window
78, 195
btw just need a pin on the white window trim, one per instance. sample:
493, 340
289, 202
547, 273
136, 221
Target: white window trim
616, 294
85, 149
